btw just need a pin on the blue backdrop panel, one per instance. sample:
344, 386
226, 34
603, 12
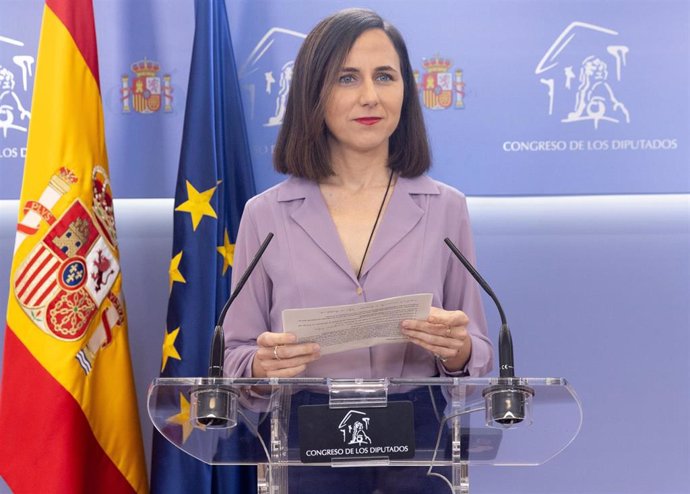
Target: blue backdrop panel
524, 97
527, 97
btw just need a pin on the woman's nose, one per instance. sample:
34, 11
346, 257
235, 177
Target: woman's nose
369, 96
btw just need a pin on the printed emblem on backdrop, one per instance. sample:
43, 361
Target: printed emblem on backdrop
582, 71
16, 74
145, 93
440, 88
267, 73
70, 273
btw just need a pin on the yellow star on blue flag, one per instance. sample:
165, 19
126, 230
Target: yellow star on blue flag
198, 204
169, 350
227, 252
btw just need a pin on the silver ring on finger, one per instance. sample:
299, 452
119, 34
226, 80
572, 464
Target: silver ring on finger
275, 353
441, 359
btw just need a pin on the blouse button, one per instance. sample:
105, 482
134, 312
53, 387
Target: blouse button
359, 290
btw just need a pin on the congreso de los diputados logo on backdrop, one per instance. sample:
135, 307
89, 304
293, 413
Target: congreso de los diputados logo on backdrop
17, 67
587, 86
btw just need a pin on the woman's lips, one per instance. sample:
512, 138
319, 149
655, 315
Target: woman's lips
368, 120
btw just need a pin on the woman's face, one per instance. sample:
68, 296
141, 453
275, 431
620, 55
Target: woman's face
363, 109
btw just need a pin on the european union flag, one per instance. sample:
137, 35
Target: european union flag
214, 182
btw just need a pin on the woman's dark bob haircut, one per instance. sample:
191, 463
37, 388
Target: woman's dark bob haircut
302, 145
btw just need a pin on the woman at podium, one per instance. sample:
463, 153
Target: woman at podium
357, 220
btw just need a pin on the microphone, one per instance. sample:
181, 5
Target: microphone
217, 357
214, 406
508, 402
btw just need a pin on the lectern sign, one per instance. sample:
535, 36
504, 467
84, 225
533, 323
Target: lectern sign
356, 433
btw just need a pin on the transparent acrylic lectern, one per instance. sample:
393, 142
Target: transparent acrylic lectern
242, 421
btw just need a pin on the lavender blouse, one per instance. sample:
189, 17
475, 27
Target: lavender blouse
306, 266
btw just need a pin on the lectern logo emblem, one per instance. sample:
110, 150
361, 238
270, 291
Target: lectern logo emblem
354, 427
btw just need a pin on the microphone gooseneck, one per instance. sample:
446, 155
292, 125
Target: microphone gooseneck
507, 403
213, 405
217, 355
505, 341
245, 277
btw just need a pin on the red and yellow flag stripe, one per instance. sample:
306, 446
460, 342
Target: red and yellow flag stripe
68, 413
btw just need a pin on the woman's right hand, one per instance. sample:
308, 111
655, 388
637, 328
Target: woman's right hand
279, 356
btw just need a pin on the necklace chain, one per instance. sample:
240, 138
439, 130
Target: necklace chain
371, 235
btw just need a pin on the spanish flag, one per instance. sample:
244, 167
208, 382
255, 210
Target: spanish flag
68, 412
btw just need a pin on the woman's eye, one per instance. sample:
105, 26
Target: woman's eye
346, 79
384, 77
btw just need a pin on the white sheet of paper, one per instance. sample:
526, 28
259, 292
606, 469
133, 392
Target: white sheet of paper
346, 327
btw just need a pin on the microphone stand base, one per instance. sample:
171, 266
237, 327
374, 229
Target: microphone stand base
508, 404
213, 407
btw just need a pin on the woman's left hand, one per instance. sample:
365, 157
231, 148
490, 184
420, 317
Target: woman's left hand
444, 333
